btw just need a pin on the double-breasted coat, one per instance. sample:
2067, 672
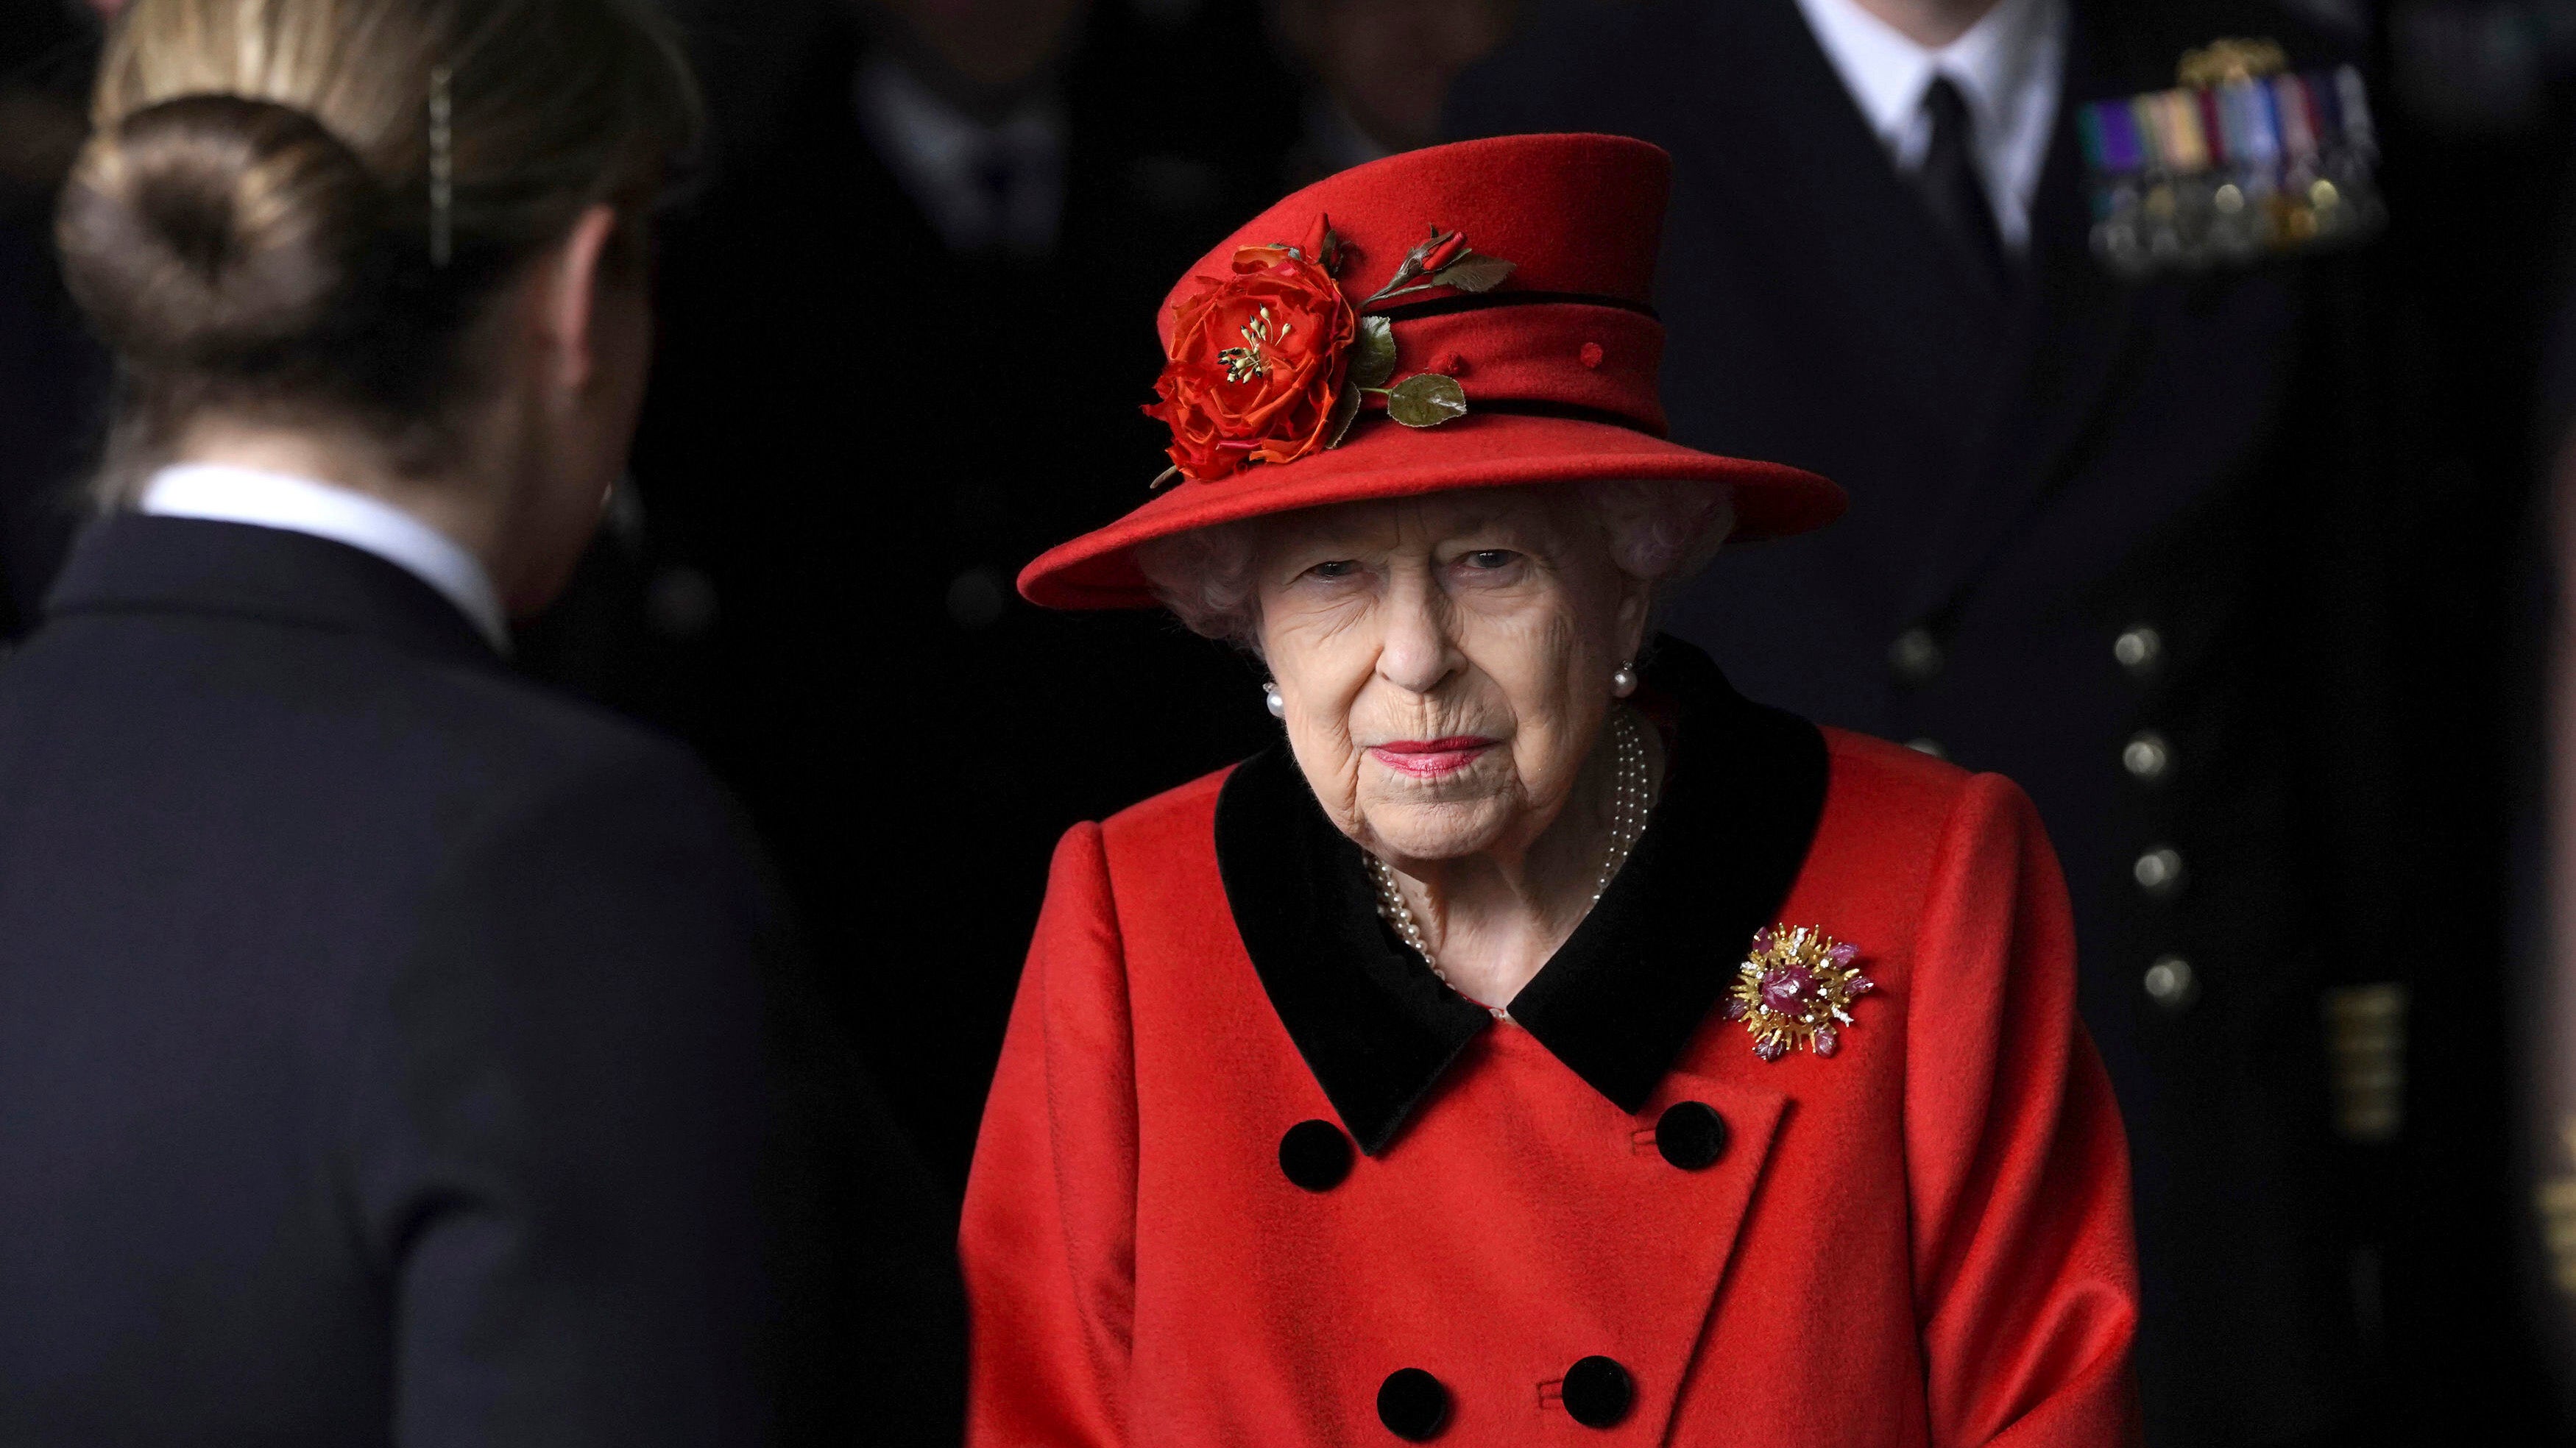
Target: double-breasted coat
1251, 1174
2133, 544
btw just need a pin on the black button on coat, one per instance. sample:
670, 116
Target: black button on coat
1315, 1155
1413, 1405
1691, 1135
1598, 1392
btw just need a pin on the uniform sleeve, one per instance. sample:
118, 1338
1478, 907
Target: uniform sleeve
2025, 1275
1048, 1242
557, 1134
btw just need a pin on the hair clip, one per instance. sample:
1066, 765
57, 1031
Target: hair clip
442, 169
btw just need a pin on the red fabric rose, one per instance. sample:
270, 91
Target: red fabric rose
1444, 250
1257, 361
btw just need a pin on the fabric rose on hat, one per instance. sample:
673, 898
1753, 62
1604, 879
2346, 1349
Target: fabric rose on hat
1258, 360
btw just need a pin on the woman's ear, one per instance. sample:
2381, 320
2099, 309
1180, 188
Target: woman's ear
1636, 609
568, 283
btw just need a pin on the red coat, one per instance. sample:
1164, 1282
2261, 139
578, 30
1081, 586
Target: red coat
1920, 1239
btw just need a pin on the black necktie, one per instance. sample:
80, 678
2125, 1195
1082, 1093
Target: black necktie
997, 178
1952, 188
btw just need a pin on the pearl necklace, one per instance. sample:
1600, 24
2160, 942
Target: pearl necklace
1630, 802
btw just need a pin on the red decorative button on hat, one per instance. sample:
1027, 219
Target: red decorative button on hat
1466, 316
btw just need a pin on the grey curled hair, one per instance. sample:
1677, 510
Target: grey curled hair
1658, 531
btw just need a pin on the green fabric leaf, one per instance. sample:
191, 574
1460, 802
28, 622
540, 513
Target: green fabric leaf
1473, 273
1373, 353
1427, 399
1346, 410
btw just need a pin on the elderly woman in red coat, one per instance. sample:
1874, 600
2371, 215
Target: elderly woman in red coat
1543, 1043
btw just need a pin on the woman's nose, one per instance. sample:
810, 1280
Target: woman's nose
1417, 653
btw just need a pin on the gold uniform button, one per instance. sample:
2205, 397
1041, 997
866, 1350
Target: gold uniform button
977, 598
1915, 656
2171, 983
2138, 648
2158, 871
2147, 756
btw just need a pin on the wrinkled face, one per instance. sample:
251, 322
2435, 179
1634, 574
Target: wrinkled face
1445, 661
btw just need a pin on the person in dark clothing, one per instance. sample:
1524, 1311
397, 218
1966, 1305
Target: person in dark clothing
394, 1051
1379, 73
53, 375
901, 356
2119, 530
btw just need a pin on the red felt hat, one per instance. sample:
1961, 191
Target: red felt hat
1280, 390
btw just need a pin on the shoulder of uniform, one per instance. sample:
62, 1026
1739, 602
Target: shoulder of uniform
2150, 39
502, 734
453, 749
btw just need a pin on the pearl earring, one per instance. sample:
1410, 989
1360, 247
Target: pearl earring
1623, 681
1270, 696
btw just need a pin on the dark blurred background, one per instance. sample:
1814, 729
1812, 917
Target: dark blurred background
907, 323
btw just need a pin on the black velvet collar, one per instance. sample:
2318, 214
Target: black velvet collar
1618, 1001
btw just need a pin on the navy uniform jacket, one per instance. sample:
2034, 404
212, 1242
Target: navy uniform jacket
849, 431
2185, 465
391, 1052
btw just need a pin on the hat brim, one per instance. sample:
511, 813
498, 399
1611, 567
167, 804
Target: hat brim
1481, 450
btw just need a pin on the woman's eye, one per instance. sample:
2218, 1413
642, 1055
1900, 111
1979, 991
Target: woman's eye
1490, 558
1337, 568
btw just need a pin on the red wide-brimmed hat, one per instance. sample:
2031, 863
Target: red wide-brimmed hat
1466, 316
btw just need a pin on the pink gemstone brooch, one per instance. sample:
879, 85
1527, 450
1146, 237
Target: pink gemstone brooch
1796, 989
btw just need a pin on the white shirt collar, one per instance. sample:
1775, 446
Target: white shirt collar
224, 494
2008, 67
945, 160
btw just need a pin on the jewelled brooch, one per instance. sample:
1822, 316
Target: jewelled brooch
1796, 989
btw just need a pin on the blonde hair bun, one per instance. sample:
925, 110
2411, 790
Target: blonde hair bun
223, 233
299, 210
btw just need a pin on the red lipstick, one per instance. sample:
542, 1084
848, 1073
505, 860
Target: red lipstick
1431, 758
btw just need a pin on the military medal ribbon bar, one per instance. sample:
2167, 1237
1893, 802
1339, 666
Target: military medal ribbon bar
2226, 173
